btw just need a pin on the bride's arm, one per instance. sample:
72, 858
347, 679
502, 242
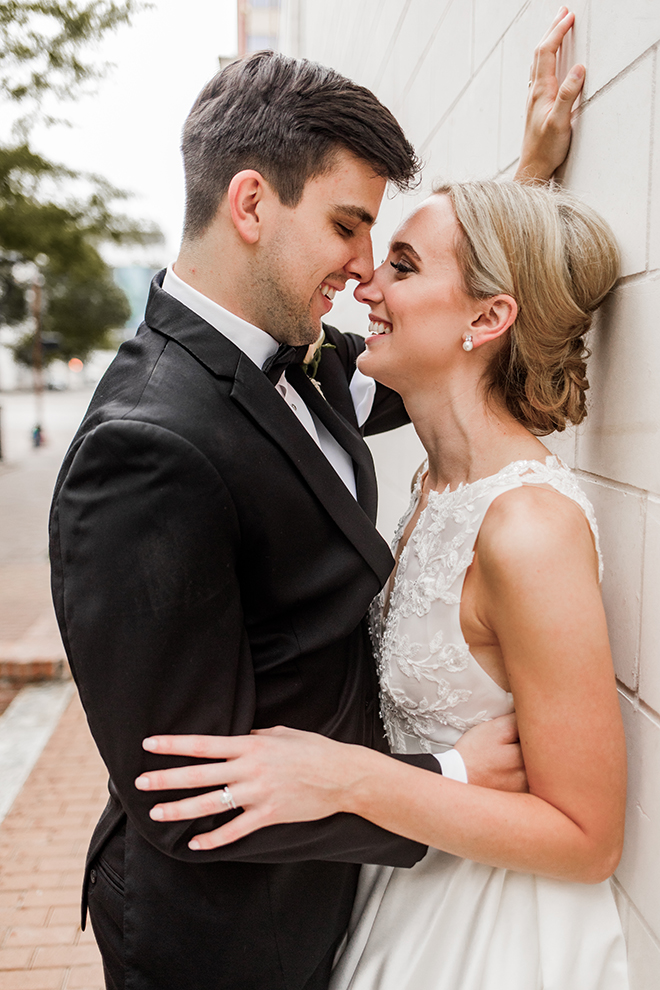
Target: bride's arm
538, 591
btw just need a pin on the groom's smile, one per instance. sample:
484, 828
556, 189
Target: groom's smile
318, 245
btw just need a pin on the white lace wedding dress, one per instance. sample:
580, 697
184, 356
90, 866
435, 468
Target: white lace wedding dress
449, 923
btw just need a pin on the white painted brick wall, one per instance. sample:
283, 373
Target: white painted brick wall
455, 73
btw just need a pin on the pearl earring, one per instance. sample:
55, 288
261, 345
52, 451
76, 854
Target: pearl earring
467, 343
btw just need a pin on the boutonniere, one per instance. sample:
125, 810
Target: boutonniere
313, 358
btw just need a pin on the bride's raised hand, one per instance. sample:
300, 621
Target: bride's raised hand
275, 775
548, 117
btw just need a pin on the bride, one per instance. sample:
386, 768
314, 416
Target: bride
478, 318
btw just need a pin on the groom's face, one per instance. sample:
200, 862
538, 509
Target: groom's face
314, 248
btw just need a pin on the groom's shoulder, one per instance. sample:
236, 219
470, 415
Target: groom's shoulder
348, 346
153, 380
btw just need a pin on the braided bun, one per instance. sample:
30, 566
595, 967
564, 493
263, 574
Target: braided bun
558, 259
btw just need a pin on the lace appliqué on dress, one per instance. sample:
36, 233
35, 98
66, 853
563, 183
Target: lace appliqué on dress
424, 680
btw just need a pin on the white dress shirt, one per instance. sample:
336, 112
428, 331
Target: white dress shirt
259, 346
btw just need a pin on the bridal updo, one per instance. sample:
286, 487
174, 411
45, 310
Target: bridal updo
558, 259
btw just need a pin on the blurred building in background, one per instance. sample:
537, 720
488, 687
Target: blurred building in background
135, 281
258, 25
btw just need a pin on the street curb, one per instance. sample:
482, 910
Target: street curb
19, 672
25, 728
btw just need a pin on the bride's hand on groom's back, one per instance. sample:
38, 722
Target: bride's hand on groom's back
492, 755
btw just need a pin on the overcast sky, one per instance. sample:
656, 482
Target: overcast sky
129, 130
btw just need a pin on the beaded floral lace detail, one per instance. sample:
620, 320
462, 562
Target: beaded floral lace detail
424, 682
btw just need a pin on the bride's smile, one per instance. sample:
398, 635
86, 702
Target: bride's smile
420, 312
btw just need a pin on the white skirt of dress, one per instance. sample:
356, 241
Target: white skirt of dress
452, 924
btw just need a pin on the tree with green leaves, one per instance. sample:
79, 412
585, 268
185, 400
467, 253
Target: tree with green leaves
41, 44
47, 210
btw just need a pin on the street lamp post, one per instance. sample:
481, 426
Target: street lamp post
29, 274
38, 358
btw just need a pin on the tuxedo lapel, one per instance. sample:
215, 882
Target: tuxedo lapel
172, 319
257, 397
344, 434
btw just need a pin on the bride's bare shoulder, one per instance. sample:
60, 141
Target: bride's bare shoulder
534, 529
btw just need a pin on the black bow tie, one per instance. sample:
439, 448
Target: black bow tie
283, 356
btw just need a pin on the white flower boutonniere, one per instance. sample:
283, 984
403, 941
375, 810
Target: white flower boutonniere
313, 359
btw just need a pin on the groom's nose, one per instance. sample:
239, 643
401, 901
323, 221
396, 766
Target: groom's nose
361, 265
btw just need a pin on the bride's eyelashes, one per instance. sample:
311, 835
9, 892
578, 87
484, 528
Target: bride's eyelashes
402, 268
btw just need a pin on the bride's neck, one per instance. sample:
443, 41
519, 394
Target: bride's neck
467, 436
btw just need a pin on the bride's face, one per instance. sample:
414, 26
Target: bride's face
420, 312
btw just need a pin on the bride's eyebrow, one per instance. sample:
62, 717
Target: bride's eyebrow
398, 246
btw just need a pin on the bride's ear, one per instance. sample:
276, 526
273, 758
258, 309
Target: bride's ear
245, 195
496, 315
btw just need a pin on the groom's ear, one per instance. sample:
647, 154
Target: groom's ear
245, 194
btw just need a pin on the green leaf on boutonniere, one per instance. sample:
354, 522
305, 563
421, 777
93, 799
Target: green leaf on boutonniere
311, 366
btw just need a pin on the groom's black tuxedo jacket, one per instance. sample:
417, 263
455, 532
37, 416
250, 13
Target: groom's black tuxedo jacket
211, 574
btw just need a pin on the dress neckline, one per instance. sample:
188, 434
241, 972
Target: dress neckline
513, 468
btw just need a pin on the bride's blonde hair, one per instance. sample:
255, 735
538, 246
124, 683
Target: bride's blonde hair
558, 259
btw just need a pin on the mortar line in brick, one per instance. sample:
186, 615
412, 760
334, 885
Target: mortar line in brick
611, 83
640, 918
638, 704
473, 75
425, 51
626, 693
650, 713
499, 103
392, 42
652, 133
619, 486
638, 642
638, 278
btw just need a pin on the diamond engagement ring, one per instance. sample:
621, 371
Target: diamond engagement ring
227, 799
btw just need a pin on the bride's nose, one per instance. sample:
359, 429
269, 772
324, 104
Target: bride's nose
370, 292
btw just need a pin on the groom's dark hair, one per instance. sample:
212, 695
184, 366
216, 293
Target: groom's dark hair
286, 118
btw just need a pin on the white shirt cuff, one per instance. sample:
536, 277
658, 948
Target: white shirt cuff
452, 765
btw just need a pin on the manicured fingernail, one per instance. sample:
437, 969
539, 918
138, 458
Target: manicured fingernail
143, 783
150, 743
194, 844
157, 814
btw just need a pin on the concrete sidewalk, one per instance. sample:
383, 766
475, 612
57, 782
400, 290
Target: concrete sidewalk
30, 644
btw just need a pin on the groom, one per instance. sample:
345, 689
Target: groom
213, 539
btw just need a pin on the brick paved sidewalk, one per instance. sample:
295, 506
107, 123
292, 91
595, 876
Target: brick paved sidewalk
43, 841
